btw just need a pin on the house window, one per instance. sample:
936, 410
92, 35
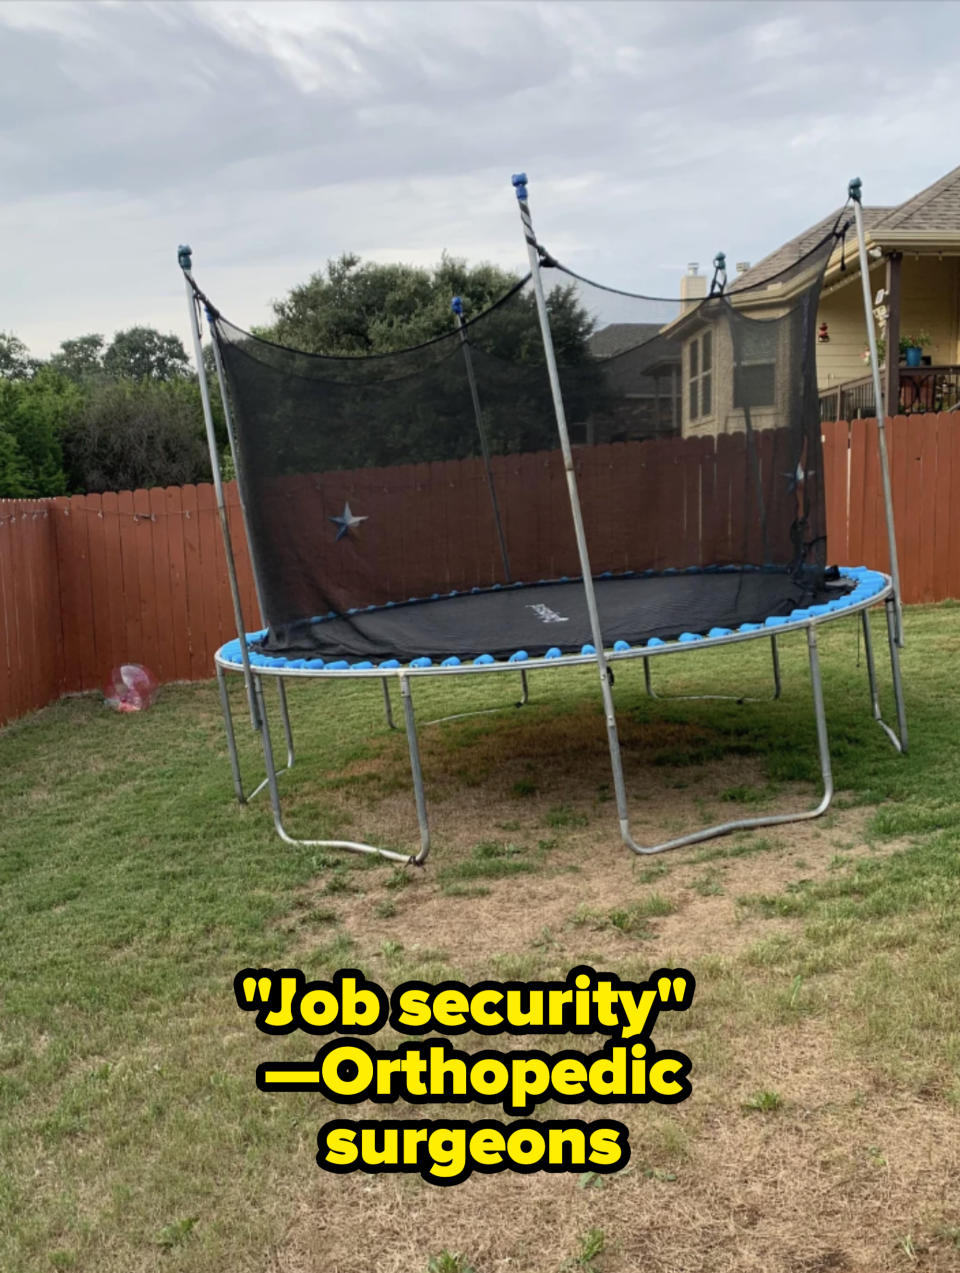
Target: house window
755, 379
700, 388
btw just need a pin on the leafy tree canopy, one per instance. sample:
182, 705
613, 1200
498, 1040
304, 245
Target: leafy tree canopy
142, 353
128, 434
80, 358
363, 307
15, 361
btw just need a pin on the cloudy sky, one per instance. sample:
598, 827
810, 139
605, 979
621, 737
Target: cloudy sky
272, 136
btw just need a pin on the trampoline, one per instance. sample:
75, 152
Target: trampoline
424, 514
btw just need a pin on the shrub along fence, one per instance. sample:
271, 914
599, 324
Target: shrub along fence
92, 581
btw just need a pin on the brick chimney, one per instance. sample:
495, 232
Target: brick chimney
693, 286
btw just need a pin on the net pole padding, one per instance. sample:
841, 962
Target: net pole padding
457, 306
520, 186
184, 260
231, 438
855, 193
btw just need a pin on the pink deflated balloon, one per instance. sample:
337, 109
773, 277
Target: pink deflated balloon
131, 688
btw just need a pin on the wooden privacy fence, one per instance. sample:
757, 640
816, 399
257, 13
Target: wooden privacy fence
92, 581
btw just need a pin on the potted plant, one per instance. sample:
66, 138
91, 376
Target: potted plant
912, 347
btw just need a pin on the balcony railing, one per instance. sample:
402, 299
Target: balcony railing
920, 389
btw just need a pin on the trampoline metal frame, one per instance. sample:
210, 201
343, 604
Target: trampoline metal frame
727, 698
405, 676
601, 659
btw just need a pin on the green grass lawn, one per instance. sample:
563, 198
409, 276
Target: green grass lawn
133, 888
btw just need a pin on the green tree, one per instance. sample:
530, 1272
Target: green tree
15, 478
143, 353
356, 307
34, 413
15, 361
127, 434
80, 358
388, 396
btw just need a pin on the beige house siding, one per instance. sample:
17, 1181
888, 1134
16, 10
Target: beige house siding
841, 358
929, 300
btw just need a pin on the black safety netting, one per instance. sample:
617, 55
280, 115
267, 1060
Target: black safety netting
415, 504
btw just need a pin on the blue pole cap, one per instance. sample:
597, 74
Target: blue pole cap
519, 180
854, 189
184, 254
720, 261
457, 306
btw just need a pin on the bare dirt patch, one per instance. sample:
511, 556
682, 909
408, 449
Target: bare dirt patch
566, 901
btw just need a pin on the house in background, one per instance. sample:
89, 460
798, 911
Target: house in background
641, 386
704, 373
641, 365
914, 250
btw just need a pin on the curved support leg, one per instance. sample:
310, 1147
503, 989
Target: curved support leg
353, 846
898, 740
488, 711
734, 698
746, 824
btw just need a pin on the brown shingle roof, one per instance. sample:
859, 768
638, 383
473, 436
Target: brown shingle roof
792, 252
936, 208
933, 209
619, 337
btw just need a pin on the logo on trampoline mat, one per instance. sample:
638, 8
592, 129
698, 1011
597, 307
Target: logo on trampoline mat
546, 615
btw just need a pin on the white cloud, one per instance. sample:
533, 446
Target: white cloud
275, 135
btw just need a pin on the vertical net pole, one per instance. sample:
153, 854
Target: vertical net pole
520, 185
185, 263
855, 192
457, 306
231, 438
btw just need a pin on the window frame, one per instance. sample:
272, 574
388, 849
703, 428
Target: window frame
700, 376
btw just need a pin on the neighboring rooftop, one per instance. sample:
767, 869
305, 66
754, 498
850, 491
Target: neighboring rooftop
793, 251
617, 338
936, 209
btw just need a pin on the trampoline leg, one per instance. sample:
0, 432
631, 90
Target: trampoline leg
285, 717
525, 695
231, 736
745, 824
353, 846
387, 705
416, 770
895, 637
242, 796
523, 700
734, 698
900, 743
775, 654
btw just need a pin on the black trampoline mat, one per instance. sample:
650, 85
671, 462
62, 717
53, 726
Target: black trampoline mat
537, 617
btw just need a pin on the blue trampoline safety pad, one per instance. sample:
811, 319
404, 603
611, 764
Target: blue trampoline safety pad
858, 585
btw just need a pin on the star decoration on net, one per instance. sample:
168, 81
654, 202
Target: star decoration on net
797, 478
346, 521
